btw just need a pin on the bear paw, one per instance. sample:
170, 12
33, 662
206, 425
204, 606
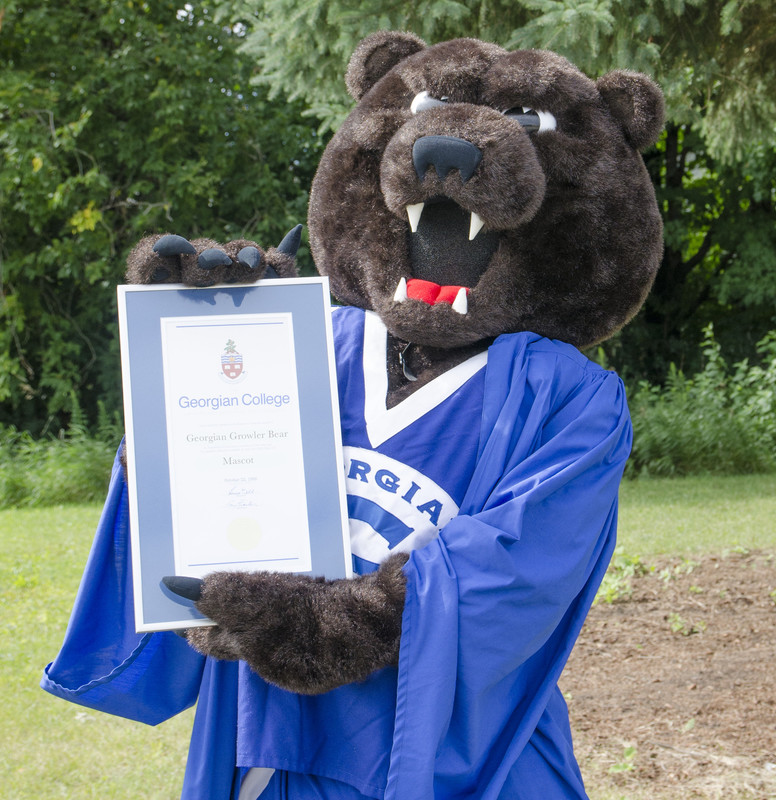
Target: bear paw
170, 258
304, 634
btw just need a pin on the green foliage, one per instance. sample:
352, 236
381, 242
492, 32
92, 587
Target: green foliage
722, 420
626, 764
714, 58
684, 567
191, 118
680, 625
617, 584
120, 119
303, 46
719, 263
72, 467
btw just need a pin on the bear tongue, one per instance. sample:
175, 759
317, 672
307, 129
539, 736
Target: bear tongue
432, 293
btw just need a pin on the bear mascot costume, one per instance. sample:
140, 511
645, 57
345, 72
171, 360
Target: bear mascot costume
481, 214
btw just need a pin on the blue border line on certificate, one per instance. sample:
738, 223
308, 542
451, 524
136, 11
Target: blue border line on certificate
227, 325
140, 311
257, 561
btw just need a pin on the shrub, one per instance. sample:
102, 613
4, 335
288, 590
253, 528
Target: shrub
72, 467
722, 420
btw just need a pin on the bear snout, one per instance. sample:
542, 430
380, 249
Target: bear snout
445, 153
484, 162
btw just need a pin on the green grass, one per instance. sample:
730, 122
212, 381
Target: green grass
50, 748
698, 514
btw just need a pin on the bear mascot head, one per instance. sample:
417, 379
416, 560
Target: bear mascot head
483, 214
512, 175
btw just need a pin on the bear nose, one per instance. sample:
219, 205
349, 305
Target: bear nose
445, 153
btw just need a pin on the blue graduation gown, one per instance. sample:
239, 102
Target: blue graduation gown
494, 605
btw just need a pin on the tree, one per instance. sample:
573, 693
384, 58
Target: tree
302, 47
713, 169
120, 119
719, 263
716, 59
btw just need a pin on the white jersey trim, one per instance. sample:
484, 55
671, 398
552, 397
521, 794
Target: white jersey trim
381, 422
255, 782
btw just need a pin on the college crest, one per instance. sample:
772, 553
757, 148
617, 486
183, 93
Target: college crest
231, 361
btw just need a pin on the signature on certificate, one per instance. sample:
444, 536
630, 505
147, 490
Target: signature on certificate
241, 497
242, 503
241, 491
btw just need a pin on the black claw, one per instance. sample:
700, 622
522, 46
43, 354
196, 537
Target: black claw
174, 245
190, 588
291, 240
212, 258
249, 257
160, 274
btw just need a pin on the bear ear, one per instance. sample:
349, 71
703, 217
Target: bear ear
375, 56
636, 102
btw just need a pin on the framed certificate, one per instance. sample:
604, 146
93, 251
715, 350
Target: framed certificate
233, 440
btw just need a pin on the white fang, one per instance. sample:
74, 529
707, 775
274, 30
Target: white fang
461, 303
400, 295
413, 212
475, 225
547, 121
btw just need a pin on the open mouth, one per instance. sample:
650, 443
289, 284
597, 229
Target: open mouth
449, 251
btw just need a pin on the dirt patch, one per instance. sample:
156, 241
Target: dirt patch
672, 684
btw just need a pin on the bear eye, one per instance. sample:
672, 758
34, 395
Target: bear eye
424, 101
532, 121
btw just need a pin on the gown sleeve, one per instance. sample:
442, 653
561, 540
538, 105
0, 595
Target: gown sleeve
495, 604
103, 663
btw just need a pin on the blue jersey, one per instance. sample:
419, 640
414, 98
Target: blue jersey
501, 478
407, 468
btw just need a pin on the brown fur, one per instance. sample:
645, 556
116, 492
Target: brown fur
143, 264
303, 634
375, 56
